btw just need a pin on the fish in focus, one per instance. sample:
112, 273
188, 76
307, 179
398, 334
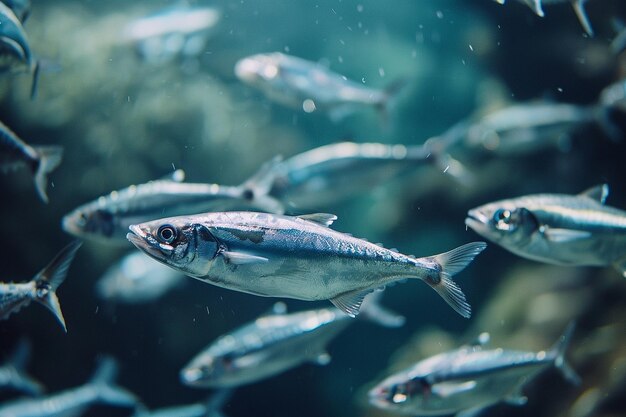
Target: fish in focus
294, 257
471, 377
212, 407
137, 278
12, 373
274, 343
42, 288
561, 229
578, 5
74, 402
298, 83
41, 160
107, 218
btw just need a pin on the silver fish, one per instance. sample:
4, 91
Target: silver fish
137, 279
12, 375
578, 5
560, 229
99, 390
298, 83
274, 343
211, 408
42, 288
469, 378
107, 218
294, 257
40, 160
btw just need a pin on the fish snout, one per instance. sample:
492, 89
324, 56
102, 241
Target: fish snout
476, 220
191, 376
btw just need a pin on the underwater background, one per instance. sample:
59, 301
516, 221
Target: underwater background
123, 120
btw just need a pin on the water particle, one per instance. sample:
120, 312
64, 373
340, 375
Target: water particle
363, 80
559, 89
439, 14
286, 48
381, 71
308, 106
340, 59
359, 8
471, 47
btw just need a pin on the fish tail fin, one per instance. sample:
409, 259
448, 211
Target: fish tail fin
390, 94
450, 264
17, 361
49, 159
260, 184
51, 277
579, 8
216, 402
35, 82
376, 313
559, 349
106, 391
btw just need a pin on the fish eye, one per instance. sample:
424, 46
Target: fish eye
502, 215
167, 233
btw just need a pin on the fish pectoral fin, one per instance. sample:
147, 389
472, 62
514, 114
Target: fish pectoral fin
350, 302
323, 219
240, 258
597, 193
564, 235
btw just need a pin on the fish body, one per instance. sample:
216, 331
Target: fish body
107, 218
42, 288
579, 7
471, 377
561, 229
299, 83
293, 257
13, 376
99, 390
137, 279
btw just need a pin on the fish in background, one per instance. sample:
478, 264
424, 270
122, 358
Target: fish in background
294, 257
210, 408
74, 402
107, 218
298, 83
618, 44
561, 229
41, 160
13, 376
21, 8
469, 379
276, 342
136, 279
42, 288
578, 5
614, 95
179, 31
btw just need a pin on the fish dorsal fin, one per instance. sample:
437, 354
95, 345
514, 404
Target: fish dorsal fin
350, 302
323, 219
241, 258
480, 340
597, 193
564, 235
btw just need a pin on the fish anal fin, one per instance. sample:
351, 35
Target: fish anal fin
323, 219
240, 258
598, 193
564, 235
350, 302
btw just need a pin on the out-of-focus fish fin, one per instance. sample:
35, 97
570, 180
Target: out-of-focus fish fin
389, 98
323, 219
579, 8
455, 169
373, 311
500, 1
558, 351
258, 187
52, 276
240, 258
597, 193
102, 383
535, 5
49, 159
621, 266
350, 302
18, 361
322, 359
450, 264
35, 83
516, 398
216, 402
564, 235
10, 44
618, 44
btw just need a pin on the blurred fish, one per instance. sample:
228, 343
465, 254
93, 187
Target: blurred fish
560, 229
172, 32
74, 402
21, 8
42, 288
275, 343
41, 160
137, 279
618, 44
107, 218
468, 378
12, 375
578, 5
211, 408
298, 83
614, 95
294, 257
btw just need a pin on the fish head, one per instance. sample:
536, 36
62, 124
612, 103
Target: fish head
399, 393
178, 242
210, 369
89, 223
506, 223
258, 70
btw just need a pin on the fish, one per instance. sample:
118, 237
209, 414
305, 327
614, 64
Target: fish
560, 229
41, 160
578, 5
12, 375
21, 8
614, 95
296, 257
75, 401
42, 288
471, 377
298, 83
107, 218
137, 279
210, 408
274, 343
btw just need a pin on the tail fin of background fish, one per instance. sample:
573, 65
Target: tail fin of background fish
106, 392
259, 185
559, 349
390, 94
450, 264
20, 380
52, 276
438, 147
215, 403
373, 311
49, 159
579, 8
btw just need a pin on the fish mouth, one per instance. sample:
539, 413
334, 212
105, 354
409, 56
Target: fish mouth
476, 220
378, 397
144, 242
